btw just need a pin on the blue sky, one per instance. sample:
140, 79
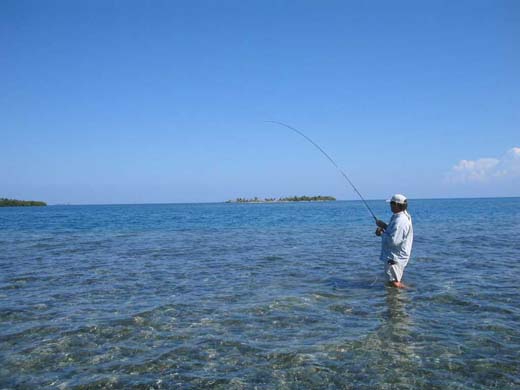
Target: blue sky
165, 101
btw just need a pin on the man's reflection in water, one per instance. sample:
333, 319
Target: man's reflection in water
398, 320
395, 335
385, 358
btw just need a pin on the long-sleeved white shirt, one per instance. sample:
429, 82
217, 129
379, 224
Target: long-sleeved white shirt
397, 239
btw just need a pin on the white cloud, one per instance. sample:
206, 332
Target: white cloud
487, 169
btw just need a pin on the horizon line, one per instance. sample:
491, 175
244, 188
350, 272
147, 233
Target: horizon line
225, 201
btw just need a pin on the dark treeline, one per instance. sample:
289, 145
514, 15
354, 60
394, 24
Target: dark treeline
304, 198
4, 202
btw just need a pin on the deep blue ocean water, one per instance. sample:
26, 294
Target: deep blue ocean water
266, 296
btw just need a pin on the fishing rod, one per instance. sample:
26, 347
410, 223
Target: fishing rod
332, 161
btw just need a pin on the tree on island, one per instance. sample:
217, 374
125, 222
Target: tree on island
304, 198
4, 202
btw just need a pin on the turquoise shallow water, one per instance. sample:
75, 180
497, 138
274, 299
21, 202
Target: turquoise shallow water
267, 296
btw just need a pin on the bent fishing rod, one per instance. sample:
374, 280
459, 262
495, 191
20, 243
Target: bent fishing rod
332, 161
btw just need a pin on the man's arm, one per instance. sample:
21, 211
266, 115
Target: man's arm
397, 233
381, 224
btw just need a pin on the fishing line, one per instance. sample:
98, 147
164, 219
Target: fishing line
333, 163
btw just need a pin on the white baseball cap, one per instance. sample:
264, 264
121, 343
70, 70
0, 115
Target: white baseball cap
398, 198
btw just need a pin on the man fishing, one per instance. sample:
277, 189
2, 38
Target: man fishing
397, 239
397, 235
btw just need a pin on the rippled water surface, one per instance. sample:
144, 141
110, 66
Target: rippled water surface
267, 296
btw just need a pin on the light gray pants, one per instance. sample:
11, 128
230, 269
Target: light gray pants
394, 272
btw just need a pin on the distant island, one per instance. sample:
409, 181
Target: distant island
318, 198
4, 202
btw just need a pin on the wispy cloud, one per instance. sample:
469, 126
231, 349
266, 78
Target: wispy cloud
486, 169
